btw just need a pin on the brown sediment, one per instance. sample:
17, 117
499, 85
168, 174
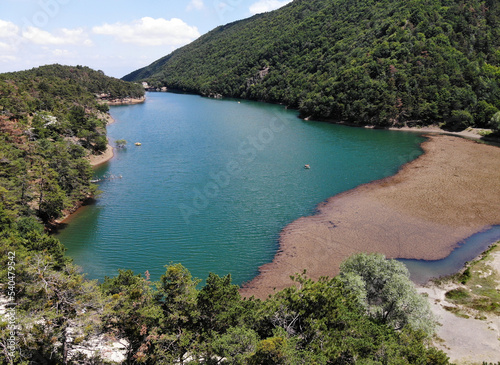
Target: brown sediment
449, 193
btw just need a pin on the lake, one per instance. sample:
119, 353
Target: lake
215, 181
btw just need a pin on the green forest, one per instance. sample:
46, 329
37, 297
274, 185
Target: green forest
378, 62
370, 314
50, 120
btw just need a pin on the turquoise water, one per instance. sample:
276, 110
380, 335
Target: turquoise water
215, 181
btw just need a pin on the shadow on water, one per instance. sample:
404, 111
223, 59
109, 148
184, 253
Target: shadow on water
421, 271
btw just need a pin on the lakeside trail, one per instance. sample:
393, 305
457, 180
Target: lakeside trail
449, 193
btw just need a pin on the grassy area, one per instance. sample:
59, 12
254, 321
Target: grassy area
479, 289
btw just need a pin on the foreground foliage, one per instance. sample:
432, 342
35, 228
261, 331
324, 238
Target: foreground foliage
368, 62
172, 321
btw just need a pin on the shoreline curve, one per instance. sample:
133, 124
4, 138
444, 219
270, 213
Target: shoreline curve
422, 212
96, 160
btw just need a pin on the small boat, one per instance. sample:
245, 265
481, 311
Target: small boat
138, 143
307, 166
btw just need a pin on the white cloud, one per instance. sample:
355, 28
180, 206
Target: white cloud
195, 5
8, 29
151, 32
263, 6
62, 53
9, 41
7, 59
7, 47
61, 36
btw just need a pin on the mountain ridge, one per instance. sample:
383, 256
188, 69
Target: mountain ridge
363, 62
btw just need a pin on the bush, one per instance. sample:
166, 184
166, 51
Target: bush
465, 277
458, 295
495, 122
460, 120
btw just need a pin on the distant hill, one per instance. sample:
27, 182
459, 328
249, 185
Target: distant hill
380, 62
54, 88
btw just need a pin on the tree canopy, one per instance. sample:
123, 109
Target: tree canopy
383, 288
174, 321
380, 62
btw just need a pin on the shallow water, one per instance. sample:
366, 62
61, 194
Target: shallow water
215, 181
421, 271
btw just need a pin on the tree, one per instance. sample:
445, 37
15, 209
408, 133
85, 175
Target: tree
131, 311
236, 345
387, 292
176, 294
101, 143
51, 198
58, 309
271, 351
220, 307
461, 119
495, 122
120, 143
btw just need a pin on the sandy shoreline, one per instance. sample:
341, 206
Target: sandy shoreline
96, 160
433, 202
127, 101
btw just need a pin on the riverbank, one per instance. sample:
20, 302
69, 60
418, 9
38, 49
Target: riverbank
467, 333
433, 202
471, 133
96, 160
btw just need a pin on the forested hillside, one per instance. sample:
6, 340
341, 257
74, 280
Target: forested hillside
57, 89
382, 62
50, 119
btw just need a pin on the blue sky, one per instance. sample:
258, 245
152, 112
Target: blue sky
116, 36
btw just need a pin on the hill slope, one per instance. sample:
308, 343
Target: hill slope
54, 88
365, 61
50, 120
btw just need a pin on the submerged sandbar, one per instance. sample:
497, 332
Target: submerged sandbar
449, 193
